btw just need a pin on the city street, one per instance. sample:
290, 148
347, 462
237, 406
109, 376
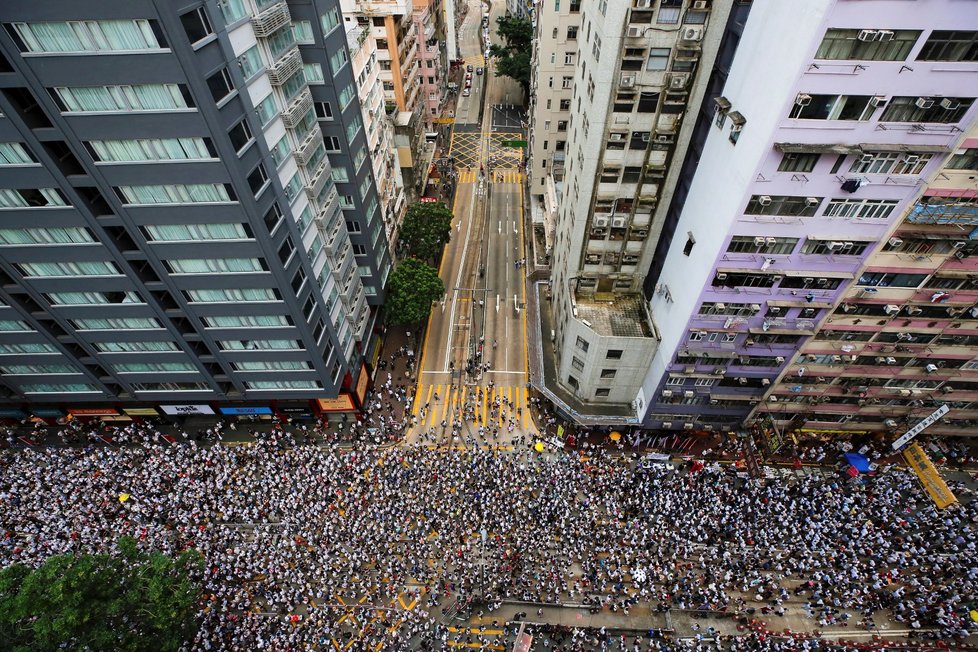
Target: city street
473, 359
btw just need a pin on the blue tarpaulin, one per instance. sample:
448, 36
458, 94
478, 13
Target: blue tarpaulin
860, 462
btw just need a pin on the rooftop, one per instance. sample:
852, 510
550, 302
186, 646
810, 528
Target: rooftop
613, 315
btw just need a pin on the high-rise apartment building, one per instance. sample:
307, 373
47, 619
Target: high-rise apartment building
803, 133
429, 19
190, 217
617, 87
903, 340
833, 118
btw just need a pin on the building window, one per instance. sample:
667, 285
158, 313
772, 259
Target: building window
945, 45
832, 107
688, 247
895, 280
251, 62
196, 232
577, 363
601, 391
963, 159
135, 347
266, 109
111, 99
840, 248
798, 162
214, 265
744, 244
867, 44
566, 81
88, 36
324, 111
782, 205
151, 149
890, 163
583, 344
943, 110
302, 31
220, 85
58, 388
247, 321
69, 269
240, 135
45, 236
330, 20
860, 208
15, 154
197, 25
669, 12
117, 323
572, 33
232, 295
202, 193
31, 197
658, 59
608, 373
283, 384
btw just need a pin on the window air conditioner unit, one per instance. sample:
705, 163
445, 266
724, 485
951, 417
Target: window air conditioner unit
911, 159
803, 99
720, 306
914, 311
881, 360
822, 281
643, 4
618, 222
765, 381
808, 281
779, 359
884, 35
634, 31
953, 312
960, 244
721, 276
772, 242
837, 358
949, 104
876, 101
931, 368
759, 241
835, 246
867, 35
867, 158
891, 309
774, 310
764, 200
924, 103
749, 341
714, 401
894, 242
627, 81
811, 201
692, 370
847, 246
891, 361
692, 34
689, 394
742, 380
616, 136
601, 221
667, 424
755, 308
664, 138
719, 371
777, 278
890, 423
687, 426
640, 233
666, 393
678, 80
701, 5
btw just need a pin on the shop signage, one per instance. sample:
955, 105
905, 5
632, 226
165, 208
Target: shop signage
362, 383
929, 477
294, 410
245, 410
93, 412
187, 409
342, 403
11, 412
47, 412
141, 412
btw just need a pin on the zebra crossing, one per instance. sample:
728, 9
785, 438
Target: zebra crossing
446, 402
471, 175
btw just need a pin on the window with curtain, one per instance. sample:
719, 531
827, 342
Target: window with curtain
330, 20
116, 323
150, 149
346, 96
340, 174
187, 232
874, 44
293, 187
137, 97
93, 298
171, 387
28, 347
57, 388
283, 384
944, 110
78, 268
353, 128
232, 295
247, 321
302, 30
272, 365
30, 197
197, 193
280, 151
144, 367
88, 36
15, 154
336, 62
37, 369
14, 325
256, 345
214, 265
134, 347
43, 236
233, 10
251, 62
293, 85
280, 42
266, 109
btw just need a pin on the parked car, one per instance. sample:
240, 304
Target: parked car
468, 68
466, 92
478, 70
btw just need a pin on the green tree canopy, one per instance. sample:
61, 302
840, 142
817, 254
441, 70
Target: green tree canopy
513, 58
129, 601
411, 289
426, 228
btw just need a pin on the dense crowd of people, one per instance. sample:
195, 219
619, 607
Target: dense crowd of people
297, 535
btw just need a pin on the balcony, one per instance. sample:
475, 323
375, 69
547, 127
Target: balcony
287, 65
316, 179
271, 19
298, 108
308, 145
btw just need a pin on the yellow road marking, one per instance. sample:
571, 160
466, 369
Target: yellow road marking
485, 403
417, 399
476, 645
525, 404
476, 630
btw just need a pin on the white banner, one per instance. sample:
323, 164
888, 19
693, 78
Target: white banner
187, 409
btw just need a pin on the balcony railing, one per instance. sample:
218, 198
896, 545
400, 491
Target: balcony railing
271, 19
294, 113
308, 145
287, 65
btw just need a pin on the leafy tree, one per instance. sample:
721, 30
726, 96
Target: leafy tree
128, 601
426, 228
411, 289
513, 58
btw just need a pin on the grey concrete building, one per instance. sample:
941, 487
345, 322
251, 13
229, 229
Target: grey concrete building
189, 213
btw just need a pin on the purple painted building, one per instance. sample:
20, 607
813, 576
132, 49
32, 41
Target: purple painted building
835, 115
